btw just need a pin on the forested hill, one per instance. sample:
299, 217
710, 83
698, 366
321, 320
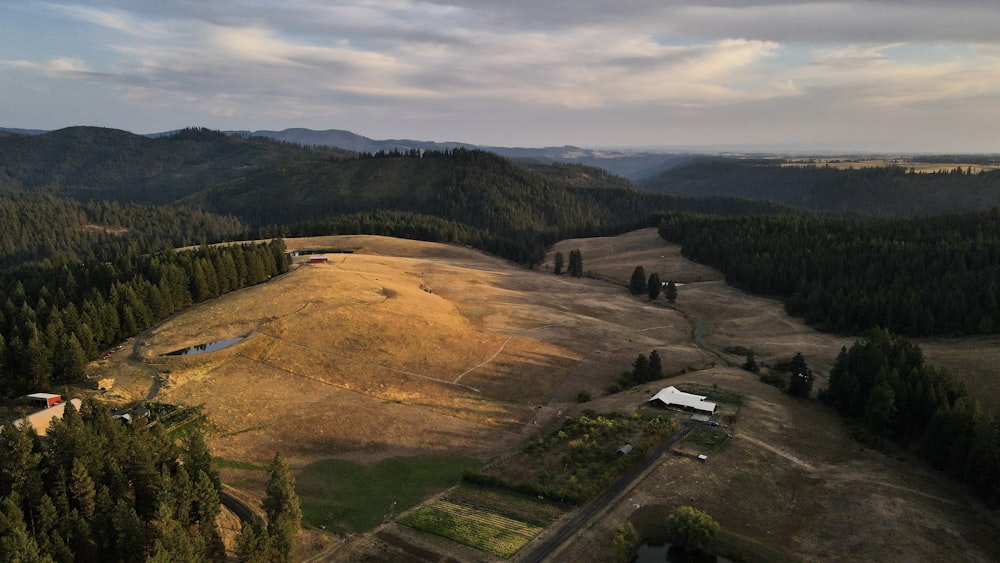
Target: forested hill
109, 164
879, 191
464, 196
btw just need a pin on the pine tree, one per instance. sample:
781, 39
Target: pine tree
558, 268
19, 461
654, 286
801, 381
640, 369
637, 283
671, 292
575, 263
16, 543
197, 457
655, 366
281, 505
253, 545
81, 489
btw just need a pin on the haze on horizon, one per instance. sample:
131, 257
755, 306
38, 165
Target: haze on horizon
850, 75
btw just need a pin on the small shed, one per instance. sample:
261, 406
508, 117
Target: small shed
320, 259
45, 400
624, 450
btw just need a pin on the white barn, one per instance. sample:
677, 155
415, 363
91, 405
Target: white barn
674, 397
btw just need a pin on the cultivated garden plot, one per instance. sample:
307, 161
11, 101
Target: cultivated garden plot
474, 526
585, 455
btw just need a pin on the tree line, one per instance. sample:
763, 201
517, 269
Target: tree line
918, 277
875, 191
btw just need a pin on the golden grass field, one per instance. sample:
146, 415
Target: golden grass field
847, 163
404, 348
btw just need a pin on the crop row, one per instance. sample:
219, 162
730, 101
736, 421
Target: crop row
489, 518
483, 530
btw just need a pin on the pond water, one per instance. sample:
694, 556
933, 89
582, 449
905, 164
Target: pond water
658, 553
207, 347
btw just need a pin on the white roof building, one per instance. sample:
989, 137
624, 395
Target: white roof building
674, 397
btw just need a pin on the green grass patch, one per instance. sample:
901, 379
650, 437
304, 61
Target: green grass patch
706, 438
223, 463
350, 497
474, 526
713, 393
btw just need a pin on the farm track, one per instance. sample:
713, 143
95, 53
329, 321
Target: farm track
486, 361
549, 548
242, 510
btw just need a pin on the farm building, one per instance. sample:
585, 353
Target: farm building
40, 420
318, 259
45, 400
674, 397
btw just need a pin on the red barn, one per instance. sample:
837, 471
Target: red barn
318, 259
45, 400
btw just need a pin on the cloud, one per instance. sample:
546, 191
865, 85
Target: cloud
54, 67
431, 63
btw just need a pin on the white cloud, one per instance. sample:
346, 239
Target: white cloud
431, 63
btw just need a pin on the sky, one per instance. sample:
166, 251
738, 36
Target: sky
847, 75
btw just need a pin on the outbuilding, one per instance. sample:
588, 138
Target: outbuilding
45, 400
674, 397
321, 259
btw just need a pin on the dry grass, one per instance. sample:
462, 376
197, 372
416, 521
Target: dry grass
405, 347
920, 167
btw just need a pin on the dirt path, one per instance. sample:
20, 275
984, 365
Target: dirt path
486, 361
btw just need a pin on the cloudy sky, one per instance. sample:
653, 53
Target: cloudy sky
880, 75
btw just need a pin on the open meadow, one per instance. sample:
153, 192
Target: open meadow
399, 350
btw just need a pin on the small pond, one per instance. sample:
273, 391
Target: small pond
658, 553
207, 347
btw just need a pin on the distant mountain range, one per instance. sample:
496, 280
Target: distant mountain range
628, 164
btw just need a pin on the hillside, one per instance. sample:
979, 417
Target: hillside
99, 163
467, 196
880, 191
402, 348
633, 165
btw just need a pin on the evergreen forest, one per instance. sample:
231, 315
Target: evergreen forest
926, 276
103, 490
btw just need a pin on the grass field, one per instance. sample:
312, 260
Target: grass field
405, 349
349, 497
